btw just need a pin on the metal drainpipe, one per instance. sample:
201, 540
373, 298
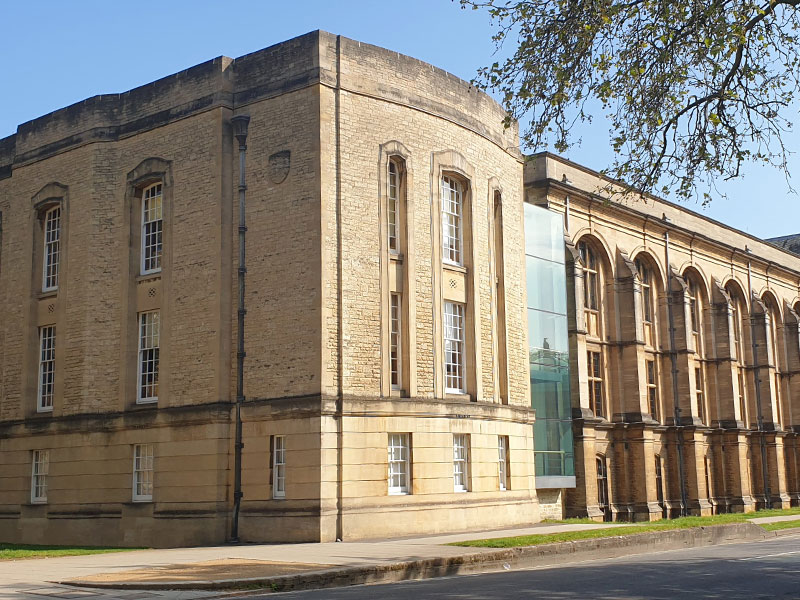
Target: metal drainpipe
757, 378
240, 123
675, 395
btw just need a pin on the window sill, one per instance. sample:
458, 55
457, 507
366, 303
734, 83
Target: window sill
142, 500
454, 267
452, 395
148, 276
144, 406
48, 294
38, 503
393, 493
396, 256
43, 412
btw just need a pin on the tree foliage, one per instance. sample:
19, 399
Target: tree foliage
693, 89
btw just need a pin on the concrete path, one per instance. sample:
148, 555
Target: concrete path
33, 579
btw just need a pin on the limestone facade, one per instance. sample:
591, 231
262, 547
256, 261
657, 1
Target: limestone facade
715, 395
117, 381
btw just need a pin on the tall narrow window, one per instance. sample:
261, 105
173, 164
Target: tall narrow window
279, 466
591, 291
737, 328
47, 367
652, 389
149, 333
152, 227
698, 384
394, 202
143, 473
779, 399
503, 462
500, 300
742, 397
454, 347
595, 383
52, 249
452, 221
40, 470
399, 463
461, 462
660, 487
395, 348
645, 280
694, 309
602, 488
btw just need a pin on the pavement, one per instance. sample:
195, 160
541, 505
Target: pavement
35, 579
766, 570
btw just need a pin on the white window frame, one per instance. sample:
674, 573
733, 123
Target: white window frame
47, 369
700, 392
393, 208
452, 200
461, 462
395, 341
596, 380
454, 356
279, 466
399, 457
503, 462
143, 460
652, 388
152, 232
148, 357
40, 469
52, 248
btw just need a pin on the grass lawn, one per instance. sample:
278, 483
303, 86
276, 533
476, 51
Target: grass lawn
781, 525
681, 523
19, 551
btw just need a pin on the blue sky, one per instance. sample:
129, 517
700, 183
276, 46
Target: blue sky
57, 53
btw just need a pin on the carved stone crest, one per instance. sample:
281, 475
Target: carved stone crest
279, 166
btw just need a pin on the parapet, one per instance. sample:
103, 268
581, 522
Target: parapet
317, 57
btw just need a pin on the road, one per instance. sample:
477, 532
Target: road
752, 571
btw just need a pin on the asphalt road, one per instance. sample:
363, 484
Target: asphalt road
755, 571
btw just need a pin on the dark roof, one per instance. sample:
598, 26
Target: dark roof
787, 242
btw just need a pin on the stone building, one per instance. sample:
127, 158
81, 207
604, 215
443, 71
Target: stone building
386, 392
422, 354
684, 350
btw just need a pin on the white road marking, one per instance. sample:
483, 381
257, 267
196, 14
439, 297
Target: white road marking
770, 555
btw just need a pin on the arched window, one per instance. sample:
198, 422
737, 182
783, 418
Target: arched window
591, 288
648, 308
775, 347
738, 312
695, 309
696, 300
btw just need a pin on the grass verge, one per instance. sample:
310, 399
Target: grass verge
681, 523
780, 525
20, 551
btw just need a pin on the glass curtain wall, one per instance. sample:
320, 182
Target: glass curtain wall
549, 347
